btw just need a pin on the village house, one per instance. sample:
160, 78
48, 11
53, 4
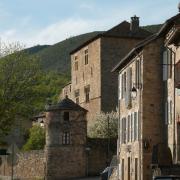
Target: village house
171, 70
92, 86
148, 131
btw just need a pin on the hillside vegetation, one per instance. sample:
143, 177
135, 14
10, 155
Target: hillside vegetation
57, 57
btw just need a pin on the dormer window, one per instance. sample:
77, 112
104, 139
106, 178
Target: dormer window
66, 138
66, 116
86, 57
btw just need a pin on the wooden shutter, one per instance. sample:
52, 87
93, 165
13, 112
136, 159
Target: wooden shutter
169, 60
135, 126
166, 112
132, 127
125, 128
165, 66
128, 88
120, 92
170, 112
139, 125
120, 132
122, 139
122, 86
140, 77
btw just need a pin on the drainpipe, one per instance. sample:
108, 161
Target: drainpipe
118, 142
141, 122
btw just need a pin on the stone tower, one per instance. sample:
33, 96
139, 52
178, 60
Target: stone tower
66, 132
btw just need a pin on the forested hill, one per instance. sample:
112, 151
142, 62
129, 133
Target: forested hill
56, 57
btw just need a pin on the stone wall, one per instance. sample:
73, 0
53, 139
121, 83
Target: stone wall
87, 74
29, 165
136, 154
152, 125
97, 159
112, 51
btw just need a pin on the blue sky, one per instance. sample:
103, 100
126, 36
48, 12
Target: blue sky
33, 22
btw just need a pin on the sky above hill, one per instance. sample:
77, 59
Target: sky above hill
33, 22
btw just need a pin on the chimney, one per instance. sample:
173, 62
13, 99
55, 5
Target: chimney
134, 26
179, 6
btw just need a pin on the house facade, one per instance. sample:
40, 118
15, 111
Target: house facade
92, 84
140, 115
171, 69
148, 107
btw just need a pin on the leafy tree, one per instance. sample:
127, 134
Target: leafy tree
104, 129
24, 87
36, 139
20, 77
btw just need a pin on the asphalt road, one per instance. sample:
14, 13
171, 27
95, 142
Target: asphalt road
90, 178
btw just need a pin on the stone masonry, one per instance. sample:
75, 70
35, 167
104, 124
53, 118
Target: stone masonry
92, 77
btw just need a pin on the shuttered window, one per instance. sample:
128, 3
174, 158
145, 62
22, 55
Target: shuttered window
167, 64
123, 130
128, 128
120, 87
166, 112
139, 125
138, 74
170, 112
128, 88
132, 127
135, 126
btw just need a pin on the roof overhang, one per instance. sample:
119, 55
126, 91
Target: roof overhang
173, 36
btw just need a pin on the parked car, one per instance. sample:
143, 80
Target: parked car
172, 177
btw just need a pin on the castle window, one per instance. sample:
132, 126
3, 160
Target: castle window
87, 91
76, 65
66, 138
66, 116
76, 80
76, 94
86, 56
91, 71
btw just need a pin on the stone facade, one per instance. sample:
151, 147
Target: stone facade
140, 117
148, 135
66, 129
92, 84
172, 89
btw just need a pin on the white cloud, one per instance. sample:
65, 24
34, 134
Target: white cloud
53, 33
